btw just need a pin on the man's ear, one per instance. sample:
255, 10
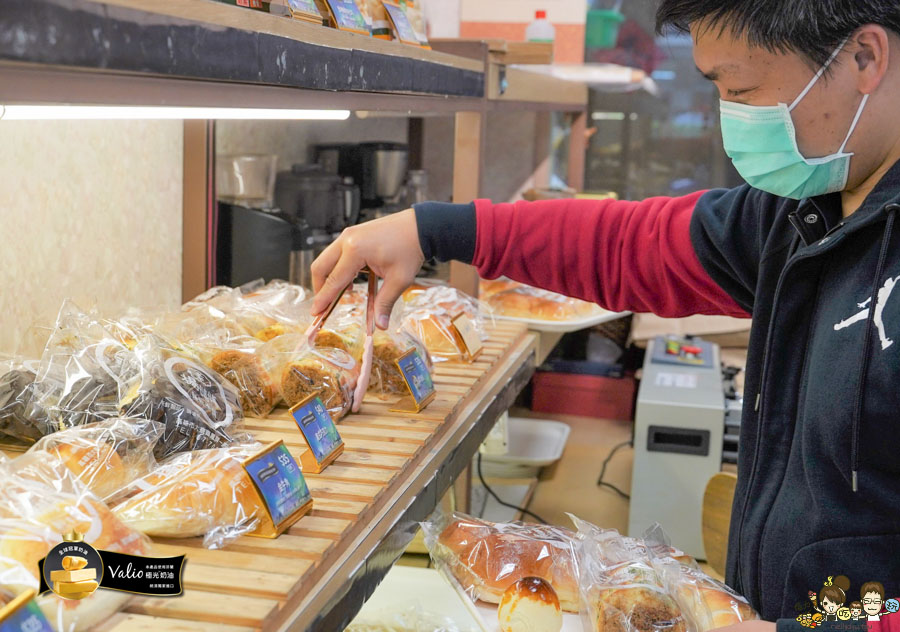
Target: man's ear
871, 56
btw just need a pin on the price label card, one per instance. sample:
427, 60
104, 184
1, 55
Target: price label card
319, 432
469, 335
347, 16
22, 614
305, 10
402, 27
418, 380
280, 485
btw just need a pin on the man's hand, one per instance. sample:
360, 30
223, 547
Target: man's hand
749, 626
389, 246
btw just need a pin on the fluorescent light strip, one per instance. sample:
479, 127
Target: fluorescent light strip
105, 113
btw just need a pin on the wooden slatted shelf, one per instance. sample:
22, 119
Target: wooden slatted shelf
309, 577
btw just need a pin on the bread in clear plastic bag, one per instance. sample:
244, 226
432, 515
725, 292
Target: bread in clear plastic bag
198, 408
275, 303
427, 313
516, 300
388, 347
22, 420
84, 371
105, 456
39, 500
486, 558
706, 602
621, 591
202, 493
227, 348
303, 371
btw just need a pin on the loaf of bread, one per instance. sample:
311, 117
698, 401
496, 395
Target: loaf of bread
708, 603
532, 303
329, 373
487, 558
105, 456
530, 605
195, 494
34, 511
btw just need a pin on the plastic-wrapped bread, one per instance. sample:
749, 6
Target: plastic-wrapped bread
427, 314
84, 370
706, 602
22, 420
486, 558
105, 456
203, 493
35, 509
198, 408
387, 380
534, 303
620, 589
329, 373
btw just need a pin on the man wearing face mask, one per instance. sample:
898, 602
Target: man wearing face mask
808, 248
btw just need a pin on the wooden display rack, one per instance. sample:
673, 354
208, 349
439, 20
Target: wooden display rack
391, 462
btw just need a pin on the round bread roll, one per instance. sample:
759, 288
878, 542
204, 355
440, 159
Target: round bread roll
712, 607
487, 561
530, 605
272, 331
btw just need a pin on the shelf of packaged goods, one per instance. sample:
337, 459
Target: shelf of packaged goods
366, 507
236, 50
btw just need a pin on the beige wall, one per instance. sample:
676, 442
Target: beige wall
89, 211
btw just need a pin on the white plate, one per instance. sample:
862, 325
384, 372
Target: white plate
598, 316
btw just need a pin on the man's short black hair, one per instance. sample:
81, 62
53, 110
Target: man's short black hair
813, 28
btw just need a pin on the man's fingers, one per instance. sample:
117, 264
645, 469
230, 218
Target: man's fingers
390, 291
324, 264
342, 275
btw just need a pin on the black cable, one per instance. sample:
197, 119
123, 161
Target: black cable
497, 498
606, 461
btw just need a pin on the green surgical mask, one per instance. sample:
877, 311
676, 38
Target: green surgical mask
762, 144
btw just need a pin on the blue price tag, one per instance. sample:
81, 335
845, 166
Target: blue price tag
23, 615
405, 31
307, 7
417, 377
279, 481
317, 427
348, 16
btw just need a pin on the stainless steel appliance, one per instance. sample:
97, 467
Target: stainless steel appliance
324, 201
378, 168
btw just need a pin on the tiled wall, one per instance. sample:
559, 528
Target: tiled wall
89, 211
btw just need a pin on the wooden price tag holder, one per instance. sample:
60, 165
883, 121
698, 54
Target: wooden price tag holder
311, 417
418, 381
274, 462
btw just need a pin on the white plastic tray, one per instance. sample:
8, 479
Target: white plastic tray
596, 317
533, 444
